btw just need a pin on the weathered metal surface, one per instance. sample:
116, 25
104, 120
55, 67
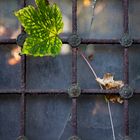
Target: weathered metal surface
126, 40
127, 138
74, 138
37, 78
22, 138
74, 40
74, 91
126, 92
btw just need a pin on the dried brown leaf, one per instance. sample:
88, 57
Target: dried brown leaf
108, 82
114, 99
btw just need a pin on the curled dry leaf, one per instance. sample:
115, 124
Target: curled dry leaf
109, 83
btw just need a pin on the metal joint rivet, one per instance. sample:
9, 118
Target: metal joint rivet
74, 40
74, 138
74, 91
126, 92
21, 138
126, 40
21, 39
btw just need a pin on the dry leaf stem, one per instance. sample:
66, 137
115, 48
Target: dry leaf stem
108, 103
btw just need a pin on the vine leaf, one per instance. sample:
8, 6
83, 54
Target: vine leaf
43, 24
108, 82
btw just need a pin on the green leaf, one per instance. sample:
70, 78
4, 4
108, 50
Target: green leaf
43, 25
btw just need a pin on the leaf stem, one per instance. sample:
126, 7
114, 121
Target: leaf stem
111, 120
108, 103
92, 70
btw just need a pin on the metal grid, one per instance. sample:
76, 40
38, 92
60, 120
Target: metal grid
23, 91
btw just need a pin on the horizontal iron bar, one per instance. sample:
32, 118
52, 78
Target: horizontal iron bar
61, 91
100, 41
83, 41
7, 41
136, 41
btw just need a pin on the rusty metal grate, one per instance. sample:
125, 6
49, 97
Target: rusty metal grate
124, 43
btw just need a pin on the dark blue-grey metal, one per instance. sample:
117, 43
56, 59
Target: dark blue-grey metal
74, 138
127, 138
49, 118
22, 138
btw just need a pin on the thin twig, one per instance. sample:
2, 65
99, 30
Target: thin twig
65, 124
92, 70
108, 103
111, 120
93, 10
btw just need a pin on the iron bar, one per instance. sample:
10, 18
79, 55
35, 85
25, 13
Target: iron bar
126, 80
23, 87
126, 67
74, 116
100, 41
136, 41
125, 16
62, 92
7, 41
83, 41
74, 16
74, 65
74, 68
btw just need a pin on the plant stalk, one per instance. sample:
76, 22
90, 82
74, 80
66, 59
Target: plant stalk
108, 103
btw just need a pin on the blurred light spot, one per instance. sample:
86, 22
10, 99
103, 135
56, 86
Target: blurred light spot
5, 31
65, 49
87, 3
67, 25
90, 51
15, 34
99, 8
2, 30
100, 107
15, 57
96, 109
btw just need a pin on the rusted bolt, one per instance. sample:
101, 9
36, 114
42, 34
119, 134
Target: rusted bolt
21, 138
74, 40
21, 39
126, 40
74, 91
126, 92
74, 138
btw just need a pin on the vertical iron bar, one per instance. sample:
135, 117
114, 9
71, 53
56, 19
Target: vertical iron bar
23, 86
74, 67
74, 16
126, 80
74, 116
125, 16
126, 66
